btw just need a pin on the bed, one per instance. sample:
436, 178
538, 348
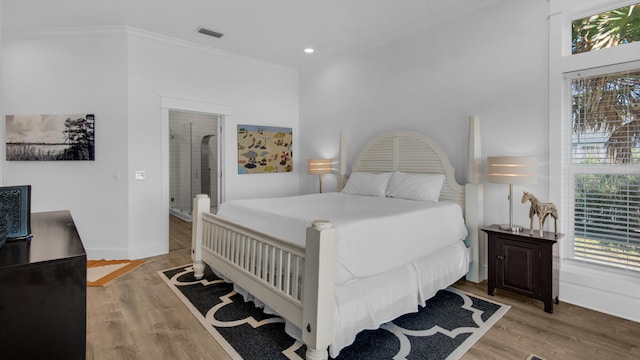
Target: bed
333, 269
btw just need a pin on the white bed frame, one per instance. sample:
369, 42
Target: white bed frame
299, 282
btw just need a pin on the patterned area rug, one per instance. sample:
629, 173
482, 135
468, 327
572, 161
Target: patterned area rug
105, 272
450, 323
534, 357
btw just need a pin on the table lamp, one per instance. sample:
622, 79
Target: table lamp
319, 167
518, 170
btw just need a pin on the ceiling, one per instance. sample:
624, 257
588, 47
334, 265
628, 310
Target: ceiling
276, 31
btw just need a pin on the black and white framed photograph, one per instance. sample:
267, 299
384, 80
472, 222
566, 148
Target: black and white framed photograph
50, 137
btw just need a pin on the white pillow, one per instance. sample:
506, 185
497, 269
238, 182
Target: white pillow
424, 187
367, 184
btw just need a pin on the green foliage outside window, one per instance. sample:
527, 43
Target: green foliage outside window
607, 108
607, 219
608, 29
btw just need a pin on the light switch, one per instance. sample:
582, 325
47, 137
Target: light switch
140, 175
116, 176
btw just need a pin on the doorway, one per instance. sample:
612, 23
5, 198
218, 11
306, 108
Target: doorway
193, 160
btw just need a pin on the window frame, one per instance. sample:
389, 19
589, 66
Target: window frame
570, 169
581, 283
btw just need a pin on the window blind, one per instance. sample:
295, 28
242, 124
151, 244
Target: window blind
604, 170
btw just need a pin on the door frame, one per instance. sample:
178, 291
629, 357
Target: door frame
171, 103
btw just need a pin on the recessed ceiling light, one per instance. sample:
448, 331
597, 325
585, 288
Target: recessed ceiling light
309, 50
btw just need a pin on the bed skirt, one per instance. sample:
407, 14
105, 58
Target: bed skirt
367, 303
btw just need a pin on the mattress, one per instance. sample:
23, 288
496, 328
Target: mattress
374, 234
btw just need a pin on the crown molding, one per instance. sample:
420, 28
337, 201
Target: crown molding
57, 32
211, 50
61, 32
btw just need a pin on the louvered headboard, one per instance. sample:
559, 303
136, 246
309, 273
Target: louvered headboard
410, 152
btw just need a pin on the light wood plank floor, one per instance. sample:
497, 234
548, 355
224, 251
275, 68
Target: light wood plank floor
139, 317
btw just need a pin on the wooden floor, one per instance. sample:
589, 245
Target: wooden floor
139, 317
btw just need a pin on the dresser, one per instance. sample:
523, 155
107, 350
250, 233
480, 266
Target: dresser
43, 293
524, 263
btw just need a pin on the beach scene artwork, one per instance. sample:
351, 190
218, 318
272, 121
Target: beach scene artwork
264, 149
50, 137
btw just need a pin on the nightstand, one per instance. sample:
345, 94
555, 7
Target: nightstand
524, 263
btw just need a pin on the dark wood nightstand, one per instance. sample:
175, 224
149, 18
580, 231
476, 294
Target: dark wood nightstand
524, 263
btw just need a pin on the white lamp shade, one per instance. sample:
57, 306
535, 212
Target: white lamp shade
319, 166
518, 170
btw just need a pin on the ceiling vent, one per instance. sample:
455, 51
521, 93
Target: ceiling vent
209, 32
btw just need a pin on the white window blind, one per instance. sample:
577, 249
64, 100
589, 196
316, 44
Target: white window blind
604, 171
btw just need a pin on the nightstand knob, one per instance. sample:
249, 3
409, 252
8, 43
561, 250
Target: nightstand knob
500, 257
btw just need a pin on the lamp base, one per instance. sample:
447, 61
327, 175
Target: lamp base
510, 227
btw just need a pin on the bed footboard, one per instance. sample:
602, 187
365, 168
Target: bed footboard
297, 282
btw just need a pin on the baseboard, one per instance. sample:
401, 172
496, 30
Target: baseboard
131, 254
98, 253
148, 251
599, 290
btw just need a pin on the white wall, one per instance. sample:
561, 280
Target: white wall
120, 74
258, 93
70, 73
491, 63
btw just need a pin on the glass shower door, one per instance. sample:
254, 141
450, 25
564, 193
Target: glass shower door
193, 160
181, 165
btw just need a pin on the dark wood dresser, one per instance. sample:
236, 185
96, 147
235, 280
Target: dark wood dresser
43, 292
524, 263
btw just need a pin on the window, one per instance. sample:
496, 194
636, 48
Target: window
594, 194
604, 169
607, 29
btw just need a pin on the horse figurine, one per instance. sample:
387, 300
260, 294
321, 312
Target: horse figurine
543, 210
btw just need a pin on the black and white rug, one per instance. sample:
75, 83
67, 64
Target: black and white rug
450, 323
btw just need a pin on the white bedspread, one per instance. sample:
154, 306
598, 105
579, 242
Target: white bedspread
375, 234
